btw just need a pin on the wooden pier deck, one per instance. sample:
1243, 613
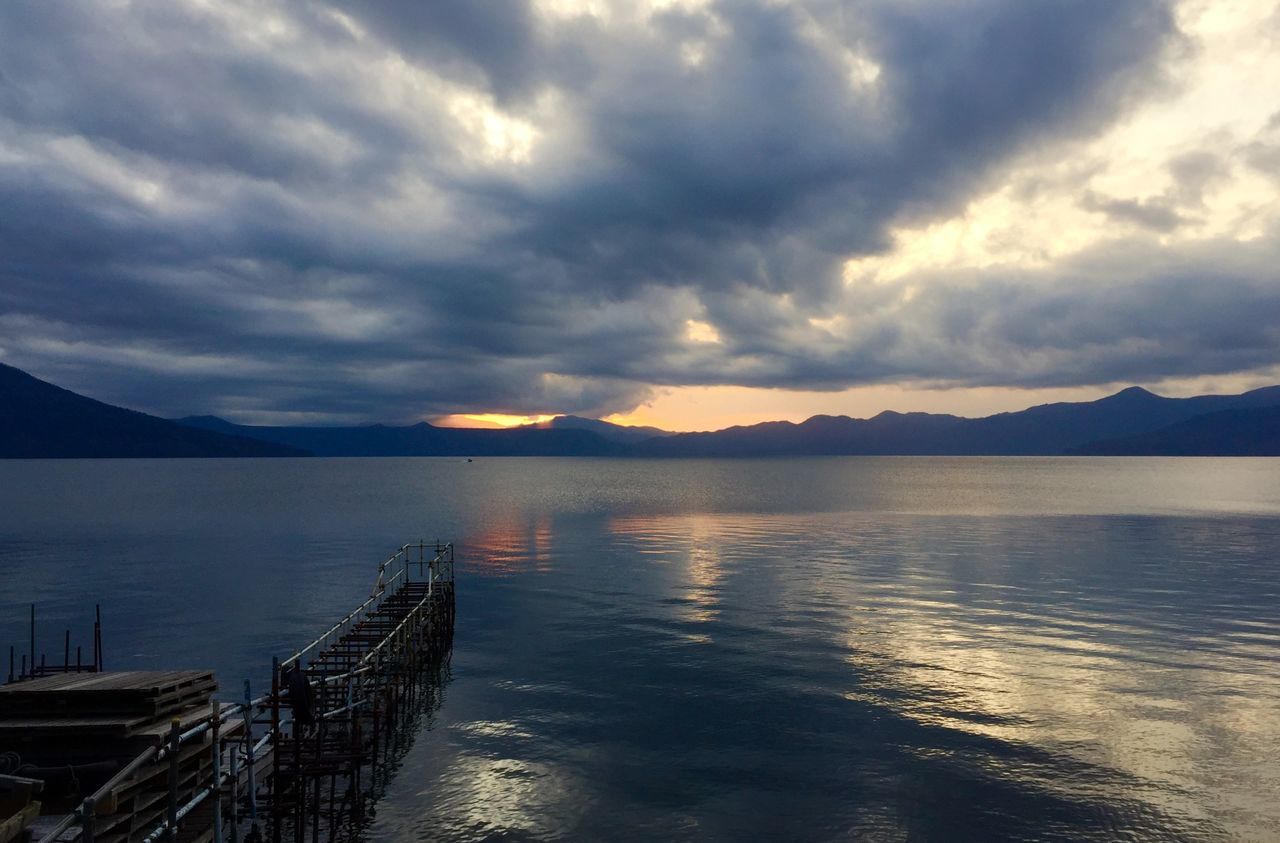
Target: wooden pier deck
160, 760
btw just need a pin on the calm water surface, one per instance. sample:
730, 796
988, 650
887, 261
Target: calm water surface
881, 649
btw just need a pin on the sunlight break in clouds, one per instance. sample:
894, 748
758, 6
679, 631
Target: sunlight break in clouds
680, 213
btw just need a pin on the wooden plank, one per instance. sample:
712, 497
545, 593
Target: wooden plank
143, 682
13, 727
144, 726
12, 828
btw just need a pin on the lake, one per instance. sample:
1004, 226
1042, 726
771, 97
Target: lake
804, 649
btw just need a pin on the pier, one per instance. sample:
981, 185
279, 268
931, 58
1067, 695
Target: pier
91, 755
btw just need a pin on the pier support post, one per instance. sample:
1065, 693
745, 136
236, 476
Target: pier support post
276, 831
88, 814
250, 777
216, 738
235, 794
175, 745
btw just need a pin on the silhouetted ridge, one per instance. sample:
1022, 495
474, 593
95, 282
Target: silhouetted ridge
1046, 429
427, 440
38, 419
1247, 431
608, 430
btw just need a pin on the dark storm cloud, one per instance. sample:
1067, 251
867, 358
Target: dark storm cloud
766, 166
1122, 311
1155, 214
492, 43
286, 210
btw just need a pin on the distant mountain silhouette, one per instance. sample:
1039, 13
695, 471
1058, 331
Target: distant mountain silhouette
40, 420
1047, 429
609, 430
1249, 431
422, 439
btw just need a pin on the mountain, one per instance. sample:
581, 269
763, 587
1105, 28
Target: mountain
421, 439
1249, 431
1047, 429
608, 430
40, 420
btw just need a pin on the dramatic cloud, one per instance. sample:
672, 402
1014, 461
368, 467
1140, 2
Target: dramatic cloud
392, 210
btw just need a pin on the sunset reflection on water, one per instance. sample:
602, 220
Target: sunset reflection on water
1067, 659
811, 649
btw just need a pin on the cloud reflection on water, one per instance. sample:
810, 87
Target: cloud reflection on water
904, 671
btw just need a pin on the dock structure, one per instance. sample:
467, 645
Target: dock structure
151, 756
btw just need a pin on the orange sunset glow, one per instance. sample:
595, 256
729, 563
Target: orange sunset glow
693, 408
490, 421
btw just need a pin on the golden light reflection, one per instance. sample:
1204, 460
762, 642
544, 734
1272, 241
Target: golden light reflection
510, 549
704, 574
1069, 677
1052, 679
690, 546
504, 795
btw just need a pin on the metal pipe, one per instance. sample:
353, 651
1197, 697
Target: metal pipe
384, 641
379, 590
248, 739
199, 729
167, 827
217, 775
125, 772
235, 795
174, 744
299, 788
275, 755
403, 551
253, 753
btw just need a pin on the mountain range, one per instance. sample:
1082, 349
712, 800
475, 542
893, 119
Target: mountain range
1131, 419
38, 419
420, 440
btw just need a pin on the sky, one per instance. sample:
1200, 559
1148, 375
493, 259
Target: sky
688, 214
